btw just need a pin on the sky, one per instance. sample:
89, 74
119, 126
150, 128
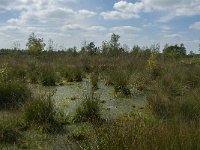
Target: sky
73, 22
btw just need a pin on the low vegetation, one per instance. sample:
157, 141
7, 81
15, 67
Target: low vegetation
170, 80
41, 113
88, 111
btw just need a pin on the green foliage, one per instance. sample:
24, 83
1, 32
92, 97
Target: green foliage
120, 81
143, 134
112, 48
10, 129
114, 41
91, 48
174, 51
175, 93
48, 76
13, 93
34, 73
35, 44
73, 74
94, 80
41, 112
88, 111
153, 67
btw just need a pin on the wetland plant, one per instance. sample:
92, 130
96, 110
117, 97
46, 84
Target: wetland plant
88, 111
10, 129
41, 112
48, 77
13, 92
120, 83
94, 81
73, 74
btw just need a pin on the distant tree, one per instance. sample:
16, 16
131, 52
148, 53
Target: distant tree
199, 48
105, 48
125, 48
114, 41
175, 51
91, 48
135, 50
35, 44
16, 45
50, 46
72, 51
191, 53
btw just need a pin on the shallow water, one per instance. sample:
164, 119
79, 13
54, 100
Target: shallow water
69, 97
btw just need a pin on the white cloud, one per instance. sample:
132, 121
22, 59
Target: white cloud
125, 29
114, 15
78, 27
195, 26
85, 13
173, 8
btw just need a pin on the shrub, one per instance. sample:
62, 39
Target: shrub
94, 80
189, 106
73, 75
120, 83
9, 130
34, 73
160, 104
88, 111
41, 112
48, 77
153, 67
143, 134
13, 94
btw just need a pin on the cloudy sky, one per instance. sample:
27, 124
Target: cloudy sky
71, 22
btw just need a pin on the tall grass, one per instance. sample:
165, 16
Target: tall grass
120, 80
13, 92
10, 126
88, 111
41, 112
73, 74
136, 132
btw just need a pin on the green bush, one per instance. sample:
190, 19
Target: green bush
94, 80
41, 112
10, 129
89, 111
13, 94
34, 73
189, 106
143, 134
73, 75
48, 77
120, 83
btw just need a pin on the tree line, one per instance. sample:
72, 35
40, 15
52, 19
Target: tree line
108, 48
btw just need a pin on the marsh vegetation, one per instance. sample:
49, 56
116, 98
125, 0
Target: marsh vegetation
99, 97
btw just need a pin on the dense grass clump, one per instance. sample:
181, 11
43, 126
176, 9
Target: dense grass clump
41, 112
34, 73
48, 77
140, 133
88, 111
10, 129
94, 80
175, 93
73, 74
13, 92
120, 82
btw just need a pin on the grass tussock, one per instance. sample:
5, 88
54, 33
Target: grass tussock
10, 127
89, 111
13, 92
41, 113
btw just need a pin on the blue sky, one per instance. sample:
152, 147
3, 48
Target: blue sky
71, 22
